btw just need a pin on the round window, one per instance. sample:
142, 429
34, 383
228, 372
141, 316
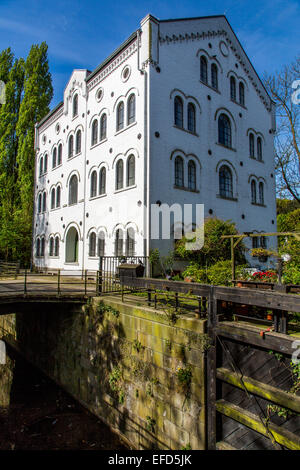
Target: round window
99, 94
57, 128
125, 73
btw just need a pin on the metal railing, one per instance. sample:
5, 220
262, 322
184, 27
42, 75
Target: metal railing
109, 278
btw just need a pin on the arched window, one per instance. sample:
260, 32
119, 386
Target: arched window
242, 94
232, 89
38, 247
102, 181
54, 154
41, 166
119, 243
45, 163
56, 246
58, 191
192, 175
40, 203
203, 69
259, 149
130, 171
120, 116
191, 118
225, 182
92, 244
73, 190
71, 146
94, 184
59, 156
179, 172
101, 244
251, 145
53, 198
253, 192
103, 126
263, 242
261, 193
94, 132
72, 245
51, 246
75, 105
224, 128
44, 201
178, 112
130, 242
78, 141
214, 76
42, 246
119, 175
131, 109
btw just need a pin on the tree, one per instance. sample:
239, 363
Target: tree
38, 93
215, 248
287, 141
28, 91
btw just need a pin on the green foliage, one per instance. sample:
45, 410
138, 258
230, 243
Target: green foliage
215, 249
284, 206
28, 95
137, 345
184, 378
187, 447
150, 424
114, 378
219, 274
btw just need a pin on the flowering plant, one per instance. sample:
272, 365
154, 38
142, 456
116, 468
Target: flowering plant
264, 276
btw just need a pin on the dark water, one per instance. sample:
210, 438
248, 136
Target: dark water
35, 414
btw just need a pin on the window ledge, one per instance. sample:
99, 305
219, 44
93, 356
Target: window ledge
186, 130
53, 257
74, 117
211, 87
256, 159
258, 204
55, 209
57, 166
97, 197
186, 189
99, 143
124, 189
126, 127
227, 198
73, 204
225, 147
74, 156
239, 104
72, 263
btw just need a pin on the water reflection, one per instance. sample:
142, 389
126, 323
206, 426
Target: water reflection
36, 414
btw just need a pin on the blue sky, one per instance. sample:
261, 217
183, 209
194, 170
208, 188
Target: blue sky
81, 34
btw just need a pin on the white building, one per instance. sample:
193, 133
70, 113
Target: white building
177, 114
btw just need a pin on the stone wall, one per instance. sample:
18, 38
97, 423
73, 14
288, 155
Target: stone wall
139, 370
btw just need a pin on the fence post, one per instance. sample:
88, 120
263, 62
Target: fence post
176, 301
99, 288
25, 282
58, 282
85, 282
211, 366
149, 297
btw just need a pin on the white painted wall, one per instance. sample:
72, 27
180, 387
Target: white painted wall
178, 58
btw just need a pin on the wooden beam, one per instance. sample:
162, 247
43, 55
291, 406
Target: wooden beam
263, 390
263, 234
252, 421
251, 335
222, 445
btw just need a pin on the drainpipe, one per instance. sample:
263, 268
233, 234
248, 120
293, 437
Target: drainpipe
84, 183
36, 149
146, 224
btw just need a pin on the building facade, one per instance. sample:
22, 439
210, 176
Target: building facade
176, 115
